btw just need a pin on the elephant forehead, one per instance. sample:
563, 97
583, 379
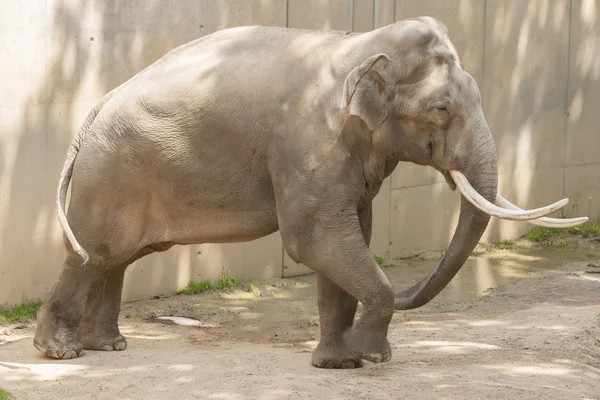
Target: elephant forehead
436, 80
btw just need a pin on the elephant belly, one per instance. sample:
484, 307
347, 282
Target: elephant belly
217, 209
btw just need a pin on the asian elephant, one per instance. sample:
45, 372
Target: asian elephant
252, 130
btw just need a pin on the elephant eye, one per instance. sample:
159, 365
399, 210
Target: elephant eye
443, 109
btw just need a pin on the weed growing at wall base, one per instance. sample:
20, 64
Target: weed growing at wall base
21, 313
588, 230
226, 283
5, 395
541, 234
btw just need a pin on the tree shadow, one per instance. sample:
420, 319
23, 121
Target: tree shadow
82, 51
535, 62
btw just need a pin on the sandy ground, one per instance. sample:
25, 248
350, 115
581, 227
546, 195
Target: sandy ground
513, 324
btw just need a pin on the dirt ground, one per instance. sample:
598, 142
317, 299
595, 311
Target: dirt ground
518, 324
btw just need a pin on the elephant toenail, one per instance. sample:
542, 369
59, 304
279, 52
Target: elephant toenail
69, 354
121, 346
107, 347
348, 365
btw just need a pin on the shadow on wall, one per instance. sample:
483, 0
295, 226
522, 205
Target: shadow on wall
528, 72
65, 57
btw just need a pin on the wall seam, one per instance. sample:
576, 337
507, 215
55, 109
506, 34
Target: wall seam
352, 15
567, 107
374, 14
287, 13
282, 263
46, 117
483, 50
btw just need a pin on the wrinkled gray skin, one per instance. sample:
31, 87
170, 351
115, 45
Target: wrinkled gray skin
257, 129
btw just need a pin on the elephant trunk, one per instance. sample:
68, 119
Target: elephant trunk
481, 169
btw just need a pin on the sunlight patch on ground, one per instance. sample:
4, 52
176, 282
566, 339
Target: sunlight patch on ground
584, 277
451, 347
514, 256
43, 372
181, 367
537, 369
133, 335
489, 322
184, 321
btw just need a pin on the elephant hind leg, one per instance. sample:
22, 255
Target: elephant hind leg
82, 308
59, 315
99, 327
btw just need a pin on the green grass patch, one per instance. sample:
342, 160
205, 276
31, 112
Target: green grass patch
21, 313
590, 229
542, 234
226, 283
379, 260
5, 395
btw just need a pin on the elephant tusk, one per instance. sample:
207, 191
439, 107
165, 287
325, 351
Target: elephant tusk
547, 222
514, 215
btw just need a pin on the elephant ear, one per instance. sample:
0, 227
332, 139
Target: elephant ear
365, 91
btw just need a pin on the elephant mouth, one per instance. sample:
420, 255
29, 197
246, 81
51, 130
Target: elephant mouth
449, 180
504, 209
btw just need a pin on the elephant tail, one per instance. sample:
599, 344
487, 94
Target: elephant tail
65, 179
63, 187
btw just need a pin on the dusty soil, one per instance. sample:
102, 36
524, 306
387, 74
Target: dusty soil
521, 324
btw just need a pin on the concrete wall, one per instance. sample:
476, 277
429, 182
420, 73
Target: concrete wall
537, 63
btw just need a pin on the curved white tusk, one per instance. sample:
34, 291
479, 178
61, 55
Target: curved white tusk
547, 222
480, 202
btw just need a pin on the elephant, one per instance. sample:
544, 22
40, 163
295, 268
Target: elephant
258, 129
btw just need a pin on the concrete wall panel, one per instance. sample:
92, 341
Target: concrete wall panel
582, 147
422, 218
23, 53
320, 14
380, 235
384, 13
363, 15
583, 190
526, 65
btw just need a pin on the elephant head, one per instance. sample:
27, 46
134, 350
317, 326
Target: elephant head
421, 106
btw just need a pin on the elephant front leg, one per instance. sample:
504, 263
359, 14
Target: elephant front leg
335, 246
336, 310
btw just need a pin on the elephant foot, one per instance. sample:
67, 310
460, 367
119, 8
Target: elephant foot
336, 356
106, 342
54, 340
61, 345
368, 346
